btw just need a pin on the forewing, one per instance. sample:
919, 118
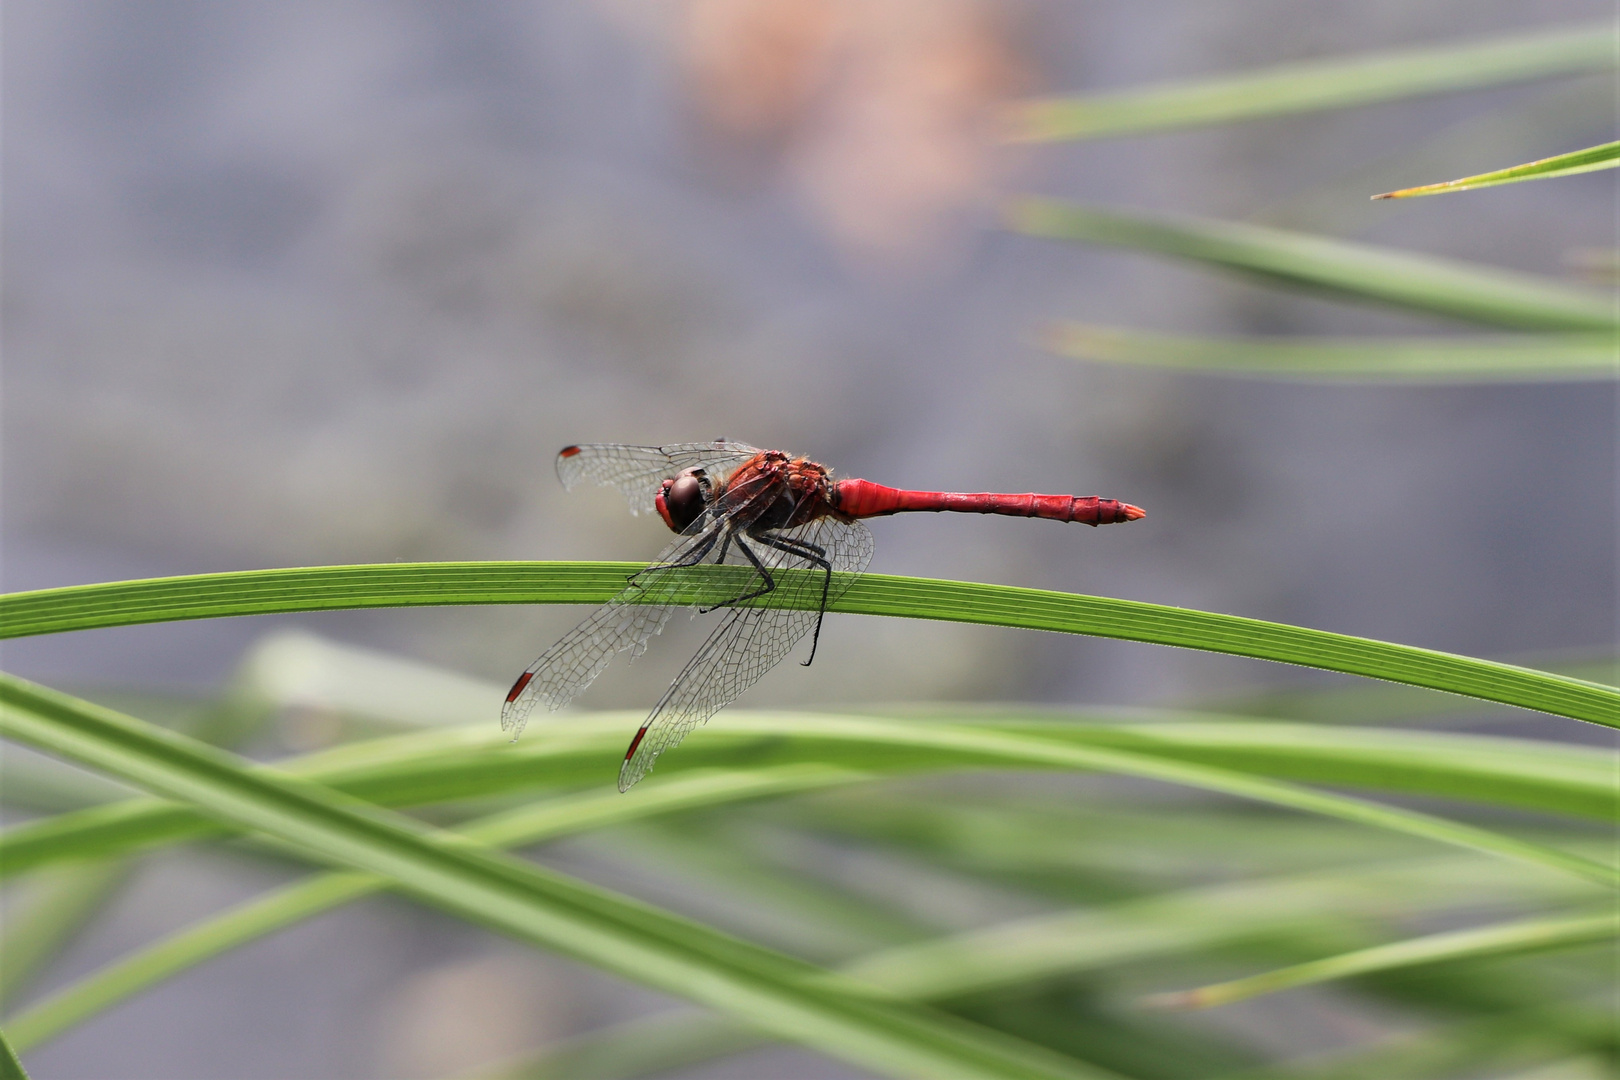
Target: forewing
637, 471
625, 623
750, 640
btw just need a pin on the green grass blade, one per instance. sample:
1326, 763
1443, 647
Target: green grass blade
294, 903
1331, 83
10, 1067
1533, 775
1480, 943
439, 766
1593, 158
1538, 358
1176, 923
1339, 268
257, 592
793, 1000
1069, 942
855, 742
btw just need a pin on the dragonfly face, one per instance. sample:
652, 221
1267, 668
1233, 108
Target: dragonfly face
681, 499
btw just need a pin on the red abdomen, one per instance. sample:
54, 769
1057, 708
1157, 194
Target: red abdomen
862, 499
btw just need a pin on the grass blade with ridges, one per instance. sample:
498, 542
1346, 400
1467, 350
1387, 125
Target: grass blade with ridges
257, 592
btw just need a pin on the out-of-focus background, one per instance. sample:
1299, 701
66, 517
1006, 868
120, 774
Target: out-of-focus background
298, 283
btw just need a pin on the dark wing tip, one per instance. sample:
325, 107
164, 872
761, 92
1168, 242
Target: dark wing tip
568, 451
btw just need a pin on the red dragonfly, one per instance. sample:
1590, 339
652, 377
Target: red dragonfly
762, 511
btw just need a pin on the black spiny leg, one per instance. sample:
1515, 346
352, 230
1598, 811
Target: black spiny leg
804, 549
692, 558
770, 582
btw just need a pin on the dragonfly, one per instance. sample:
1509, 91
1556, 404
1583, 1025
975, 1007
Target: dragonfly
792, 531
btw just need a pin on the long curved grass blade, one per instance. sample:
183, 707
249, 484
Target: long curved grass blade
861, 743
1331, 83
294, 903
793, 1000
257, 592
1539, 358
1593, 158
1339, 268
1479, 943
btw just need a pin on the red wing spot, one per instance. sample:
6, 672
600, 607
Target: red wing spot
635, 742
569, 451
517, 687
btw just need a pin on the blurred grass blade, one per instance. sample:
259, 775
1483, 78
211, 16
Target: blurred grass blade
1331, 83
53, 909
1480, 943
257, 592
1593, 158
10, 1067
1067, 942
1538, 358
294, 903
1339, 268
1188, 920
793, 1000
440, 765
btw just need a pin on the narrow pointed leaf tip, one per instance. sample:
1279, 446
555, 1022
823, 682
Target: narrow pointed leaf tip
1593, 158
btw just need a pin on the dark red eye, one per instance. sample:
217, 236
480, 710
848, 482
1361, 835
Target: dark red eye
681, 501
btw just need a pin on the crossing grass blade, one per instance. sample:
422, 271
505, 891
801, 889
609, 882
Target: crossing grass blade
1068, 942
1341, 269
1534, 358
474, 763
1593, 158
1480, 943
793, 1000
1330, 83
259, 592
294, 903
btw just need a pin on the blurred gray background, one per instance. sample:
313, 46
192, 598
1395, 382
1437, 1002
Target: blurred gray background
303, 283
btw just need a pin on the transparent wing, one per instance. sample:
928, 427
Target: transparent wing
625, 623
637, 471
750, 641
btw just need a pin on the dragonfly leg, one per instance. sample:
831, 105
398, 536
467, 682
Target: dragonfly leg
748, 553
691, 558
813, 554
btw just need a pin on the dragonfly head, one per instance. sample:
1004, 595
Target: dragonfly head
681, 499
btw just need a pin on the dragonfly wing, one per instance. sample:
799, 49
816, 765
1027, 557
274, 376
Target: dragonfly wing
751, 640
637, 471
625, 623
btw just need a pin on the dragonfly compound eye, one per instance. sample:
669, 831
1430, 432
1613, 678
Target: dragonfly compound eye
681, 501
